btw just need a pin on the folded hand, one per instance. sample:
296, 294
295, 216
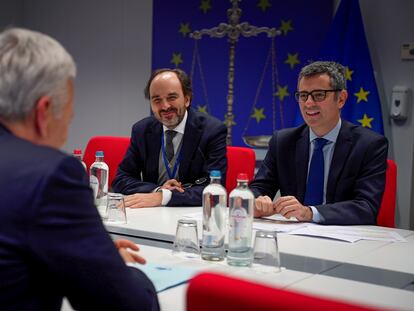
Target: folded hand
139, 200
173, 184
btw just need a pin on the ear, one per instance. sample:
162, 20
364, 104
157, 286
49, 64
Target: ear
43, 110
343, 95
187, 101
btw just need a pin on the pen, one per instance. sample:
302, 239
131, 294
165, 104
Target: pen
199, 181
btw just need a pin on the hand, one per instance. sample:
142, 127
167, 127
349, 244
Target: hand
263, 206
289, 206
172, 184
123, 247
139, 200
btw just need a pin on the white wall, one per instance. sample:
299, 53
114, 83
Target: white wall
388, 24
111, 43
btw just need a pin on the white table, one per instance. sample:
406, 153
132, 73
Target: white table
320, 266
157, 223
174, 299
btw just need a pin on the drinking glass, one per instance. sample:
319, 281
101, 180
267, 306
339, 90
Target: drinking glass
266, 256
115, 209
186, 244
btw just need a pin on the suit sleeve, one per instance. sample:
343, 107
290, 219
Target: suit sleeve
360, 196
213, 158
128, 179
68, 238
266, 180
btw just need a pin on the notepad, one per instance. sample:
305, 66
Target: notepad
164, 277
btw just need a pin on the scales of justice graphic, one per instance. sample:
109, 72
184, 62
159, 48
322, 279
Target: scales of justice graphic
232, 30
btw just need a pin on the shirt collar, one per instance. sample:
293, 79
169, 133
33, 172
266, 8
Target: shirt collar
181, 126
332, 135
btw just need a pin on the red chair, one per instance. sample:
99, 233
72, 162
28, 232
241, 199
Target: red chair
386, 214
210, 291
239, 160
114, 149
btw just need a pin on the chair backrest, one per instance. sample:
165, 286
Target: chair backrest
211, 291
114, 149
239, 160
386, 214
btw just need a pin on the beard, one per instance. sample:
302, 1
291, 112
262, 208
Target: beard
170, 117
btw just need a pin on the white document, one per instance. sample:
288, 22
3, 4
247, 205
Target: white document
278, 223
349, 233
287, 226
280, 218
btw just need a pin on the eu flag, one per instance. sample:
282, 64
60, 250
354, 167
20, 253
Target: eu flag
346, 43
263, 90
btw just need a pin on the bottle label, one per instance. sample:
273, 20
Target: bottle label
238, 223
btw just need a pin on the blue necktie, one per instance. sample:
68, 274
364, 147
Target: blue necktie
314, 186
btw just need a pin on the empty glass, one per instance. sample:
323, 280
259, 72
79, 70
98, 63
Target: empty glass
266, 253
115, 211
186, 244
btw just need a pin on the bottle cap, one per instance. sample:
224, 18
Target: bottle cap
77, 151
215, 174
242, 176
99, 153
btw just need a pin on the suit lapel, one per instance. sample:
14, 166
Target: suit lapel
192, 136
153, 139
301, 163
342, 148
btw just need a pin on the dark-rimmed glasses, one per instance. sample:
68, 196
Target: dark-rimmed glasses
317, 95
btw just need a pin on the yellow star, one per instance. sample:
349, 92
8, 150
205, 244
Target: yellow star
258, 114
286, 27
184, 29
292, 60
362, 95
282, 92
202, 109
205, 6
176, 59
264, 4
229, 120
348, 73
365, 121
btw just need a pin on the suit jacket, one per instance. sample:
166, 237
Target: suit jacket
203, 149
356, 178
52, 240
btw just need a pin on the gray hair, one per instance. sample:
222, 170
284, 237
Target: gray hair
335, 71
32, 65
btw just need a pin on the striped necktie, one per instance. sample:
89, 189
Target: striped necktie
169, 147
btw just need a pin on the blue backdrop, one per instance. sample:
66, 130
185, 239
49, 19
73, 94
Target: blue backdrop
346, 43
303, 24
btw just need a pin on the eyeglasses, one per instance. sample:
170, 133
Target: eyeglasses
317, 95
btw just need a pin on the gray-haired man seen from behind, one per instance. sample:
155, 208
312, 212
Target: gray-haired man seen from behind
52, 241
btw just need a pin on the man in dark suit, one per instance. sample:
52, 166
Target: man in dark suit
171, 152
328, 171
52, 241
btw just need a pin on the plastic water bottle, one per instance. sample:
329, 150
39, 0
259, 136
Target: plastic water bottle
77, 153
214, 219
98, 180
240, 224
